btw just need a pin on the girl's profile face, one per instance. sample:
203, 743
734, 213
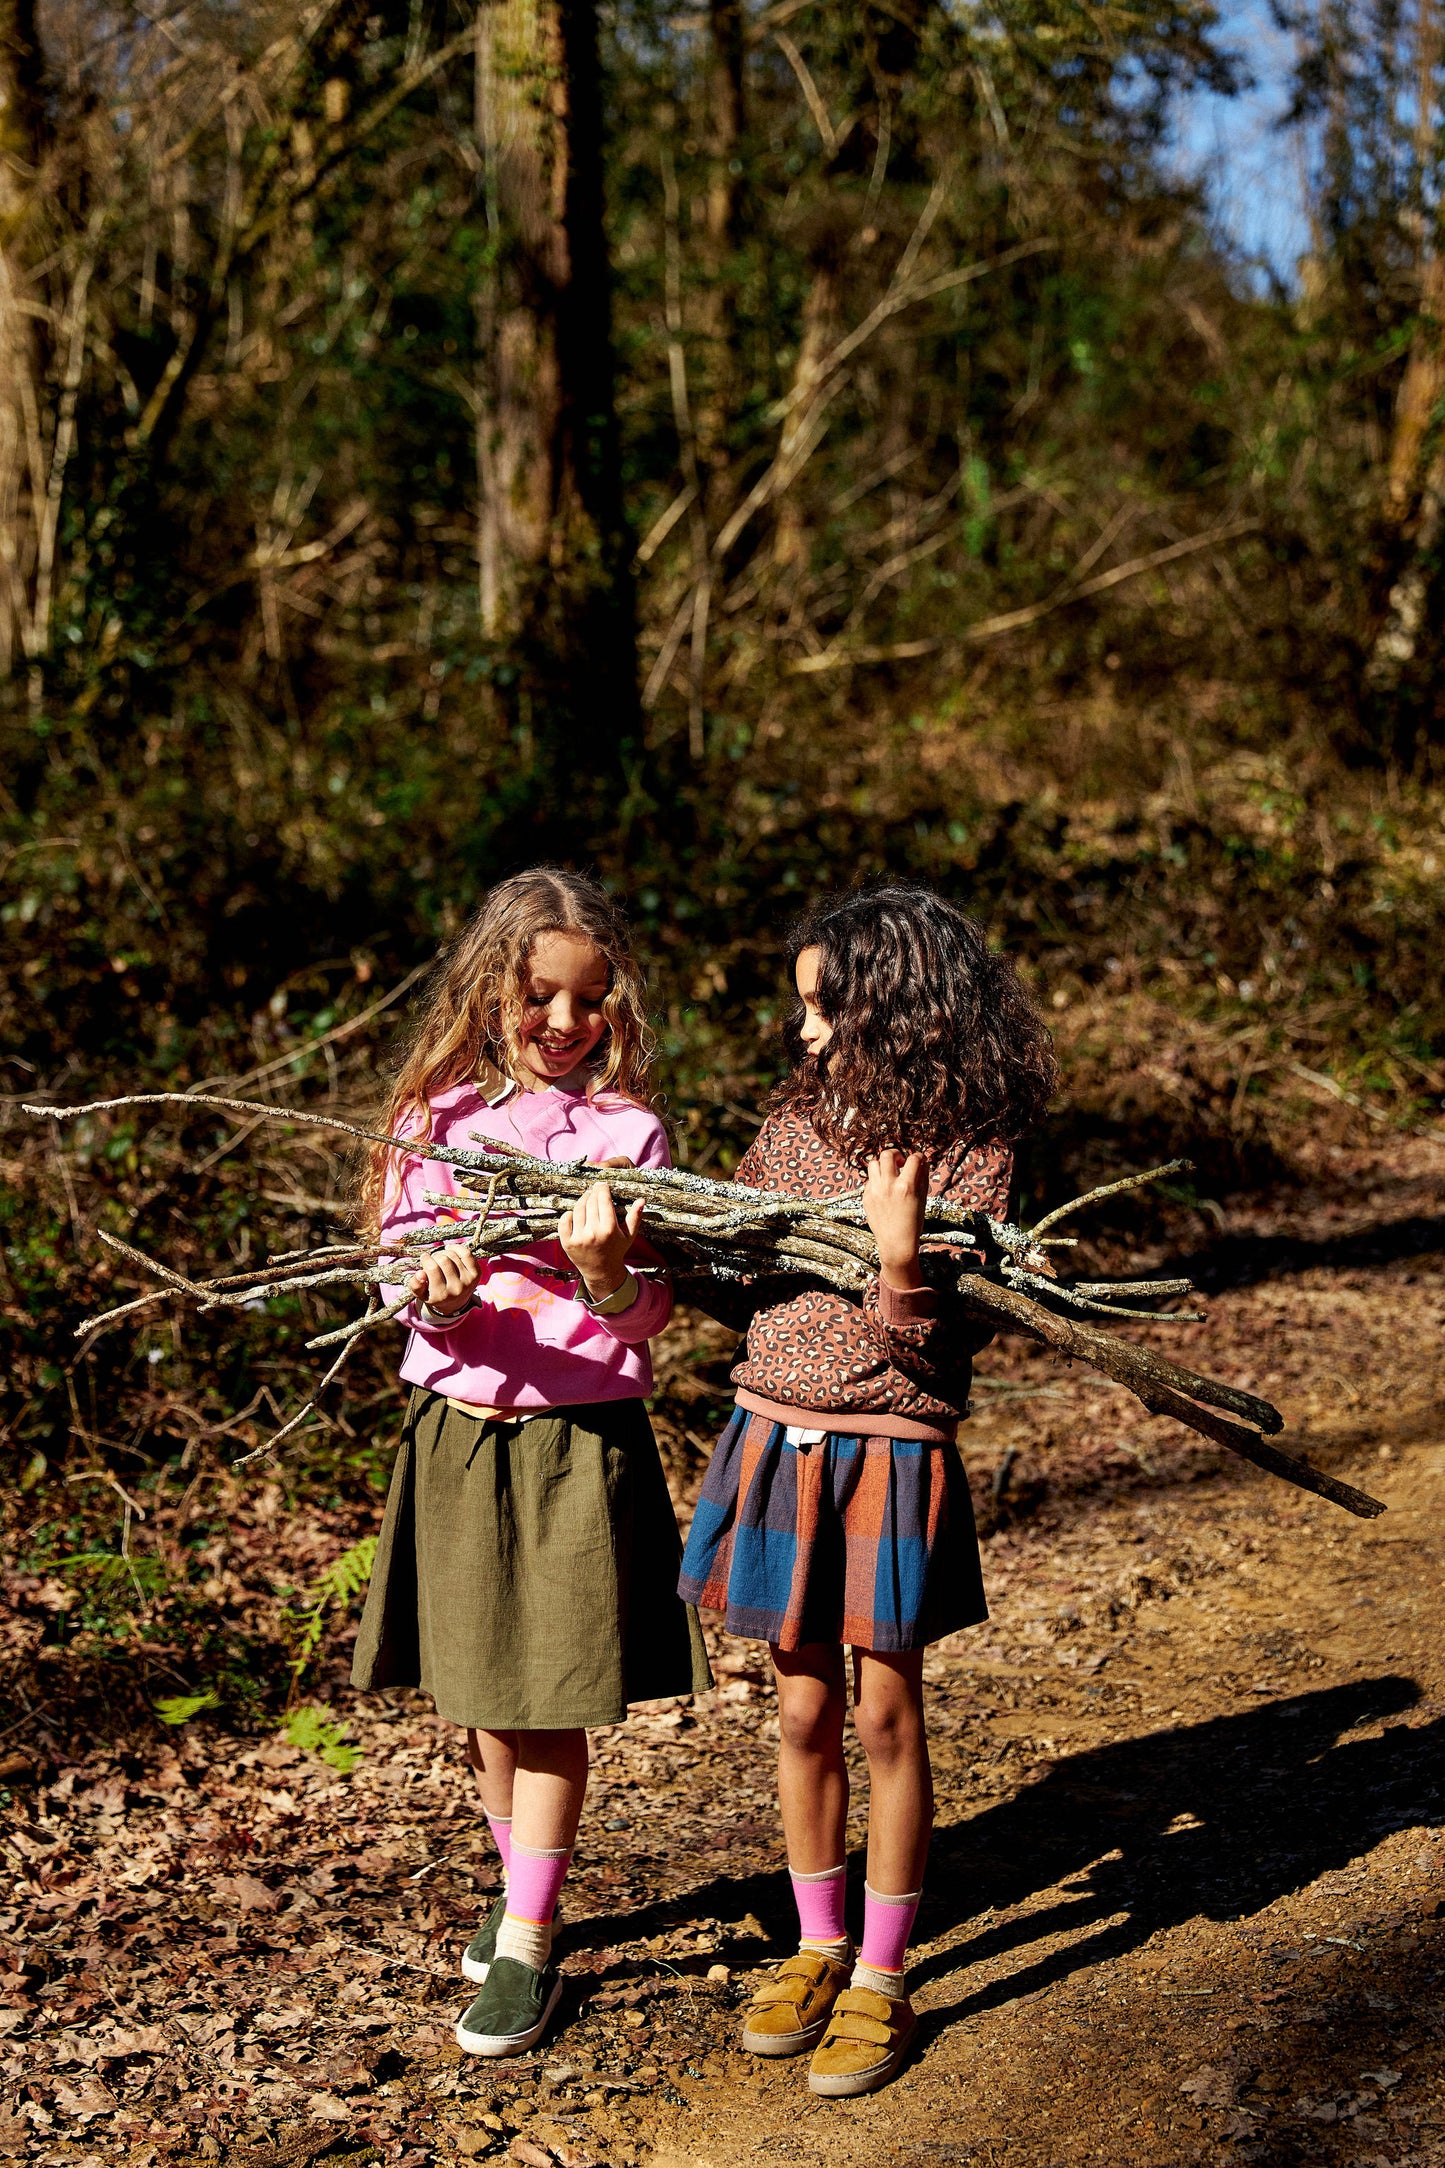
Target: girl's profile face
565, 983
815, 1031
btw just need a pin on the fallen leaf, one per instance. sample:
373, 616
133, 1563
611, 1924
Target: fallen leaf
327, 2108
1211, 2087
248, 1892
523, 2149
85, 2100
145, 2040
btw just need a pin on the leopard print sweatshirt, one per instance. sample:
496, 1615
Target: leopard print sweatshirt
898, 1366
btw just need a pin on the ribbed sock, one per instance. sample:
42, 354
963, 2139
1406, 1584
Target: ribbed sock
501, 1827
820, 1900
887, 1925
534, 1880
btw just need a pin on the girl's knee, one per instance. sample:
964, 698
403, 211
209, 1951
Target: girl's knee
810, 1722
890, 1727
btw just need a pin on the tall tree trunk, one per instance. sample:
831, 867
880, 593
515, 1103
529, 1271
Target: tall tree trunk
521, 132
600, 546
722, 235
819, 334
23, 464
553, 549
1414, 498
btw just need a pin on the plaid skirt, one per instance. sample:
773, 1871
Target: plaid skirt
865, 1541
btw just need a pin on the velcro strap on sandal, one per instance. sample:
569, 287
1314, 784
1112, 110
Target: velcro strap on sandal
853, 2025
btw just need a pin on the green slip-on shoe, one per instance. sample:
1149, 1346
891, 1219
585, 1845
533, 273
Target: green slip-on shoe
510, 2014
479, 1952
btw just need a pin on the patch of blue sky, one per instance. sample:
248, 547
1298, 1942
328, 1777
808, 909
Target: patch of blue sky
1254, 167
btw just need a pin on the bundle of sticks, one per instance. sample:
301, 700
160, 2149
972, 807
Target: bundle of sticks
717, 1239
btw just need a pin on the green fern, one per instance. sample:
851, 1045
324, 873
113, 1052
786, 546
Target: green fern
316, 1731
344, 1578
180, 1708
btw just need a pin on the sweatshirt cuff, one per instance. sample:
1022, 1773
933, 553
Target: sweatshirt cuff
644, 1316
912, 1306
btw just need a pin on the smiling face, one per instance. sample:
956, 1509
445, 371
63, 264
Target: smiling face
815, 1031
566, 981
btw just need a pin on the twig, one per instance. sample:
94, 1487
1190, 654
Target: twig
1353, 1099
28, 1718
416, 1146
103, 1475
124, 1309
989, 628
1127, 1364
1109, 1189
827, 134
299, 1418
352, 1332
138, 1257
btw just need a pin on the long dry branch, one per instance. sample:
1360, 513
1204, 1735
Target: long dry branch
1165, 1389
505, 1202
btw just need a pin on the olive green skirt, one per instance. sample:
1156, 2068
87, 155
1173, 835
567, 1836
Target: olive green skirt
526, 1574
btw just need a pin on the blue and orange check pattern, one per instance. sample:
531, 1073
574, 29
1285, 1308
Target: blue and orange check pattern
865, 1541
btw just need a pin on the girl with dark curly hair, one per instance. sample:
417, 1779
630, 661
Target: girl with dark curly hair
836, 1511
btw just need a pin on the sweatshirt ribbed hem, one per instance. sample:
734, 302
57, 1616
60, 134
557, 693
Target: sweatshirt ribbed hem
852, 1422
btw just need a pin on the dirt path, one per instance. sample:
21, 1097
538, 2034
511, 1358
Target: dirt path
1183, 1899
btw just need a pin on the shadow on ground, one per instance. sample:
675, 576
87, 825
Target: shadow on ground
1213, 1821
1248, 1260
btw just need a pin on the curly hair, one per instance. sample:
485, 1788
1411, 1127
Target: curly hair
936, 1045
470, 1024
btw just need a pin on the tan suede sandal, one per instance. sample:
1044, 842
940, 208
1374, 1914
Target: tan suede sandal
866, 2044
790, 2009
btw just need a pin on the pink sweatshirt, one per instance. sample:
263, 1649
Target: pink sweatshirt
530, 1343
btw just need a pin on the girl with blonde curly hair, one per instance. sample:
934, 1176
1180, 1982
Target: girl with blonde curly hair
525, 1573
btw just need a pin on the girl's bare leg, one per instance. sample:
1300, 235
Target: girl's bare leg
812, 1774
549, 1785
493, 1756
888, 1712
543, 1777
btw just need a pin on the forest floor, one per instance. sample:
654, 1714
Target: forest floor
1183, 1899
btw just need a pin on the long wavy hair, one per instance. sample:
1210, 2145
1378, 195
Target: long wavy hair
470, 1025
936, 1045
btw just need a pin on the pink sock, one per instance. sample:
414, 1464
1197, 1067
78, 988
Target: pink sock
533, 1882
819, 1898
501, 1827
887, 1924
